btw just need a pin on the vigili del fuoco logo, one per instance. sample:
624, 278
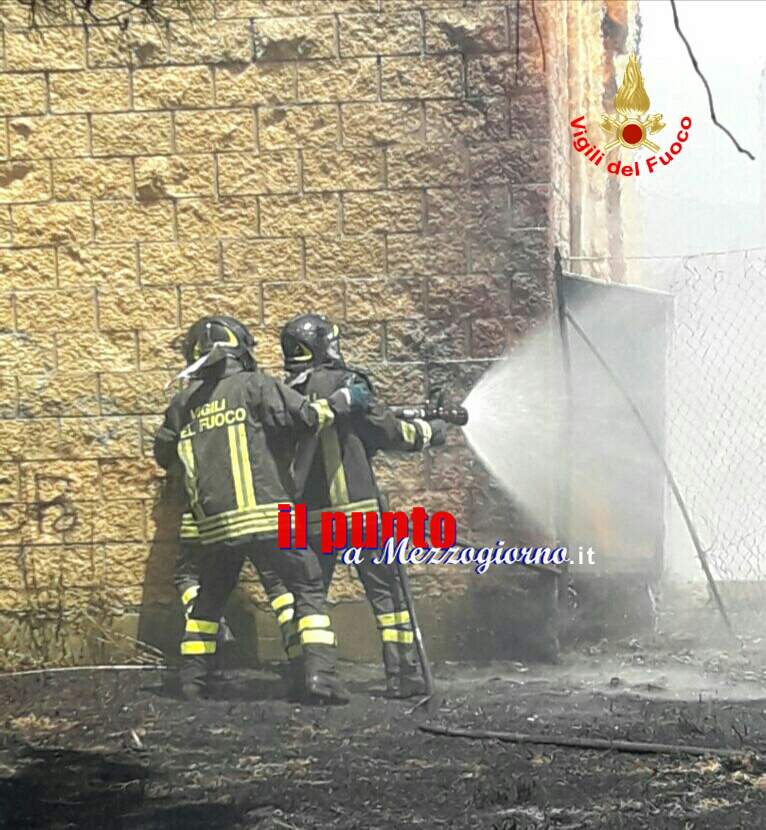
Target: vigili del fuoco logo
629, 129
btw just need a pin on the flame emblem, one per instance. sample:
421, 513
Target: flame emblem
630, 128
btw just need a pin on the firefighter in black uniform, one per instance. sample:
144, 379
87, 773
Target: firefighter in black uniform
333, 472
282, 601
233, 429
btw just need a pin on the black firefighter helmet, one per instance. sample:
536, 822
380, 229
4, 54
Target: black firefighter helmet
213, 339
308, 341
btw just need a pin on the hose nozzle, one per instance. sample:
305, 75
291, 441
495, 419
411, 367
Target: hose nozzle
457, 415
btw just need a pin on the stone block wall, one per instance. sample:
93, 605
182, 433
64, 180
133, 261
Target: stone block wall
386, 162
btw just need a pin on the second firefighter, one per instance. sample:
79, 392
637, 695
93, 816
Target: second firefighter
333, 471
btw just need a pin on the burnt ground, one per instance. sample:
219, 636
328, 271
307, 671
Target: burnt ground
114, 750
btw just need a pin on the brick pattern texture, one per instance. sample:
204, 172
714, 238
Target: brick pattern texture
386, 162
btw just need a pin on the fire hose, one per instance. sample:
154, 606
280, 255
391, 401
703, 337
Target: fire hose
430, 411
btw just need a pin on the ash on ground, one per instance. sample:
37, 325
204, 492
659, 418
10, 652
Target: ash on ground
114, 750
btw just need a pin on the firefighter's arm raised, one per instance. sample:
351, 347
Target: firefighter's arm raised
285, 408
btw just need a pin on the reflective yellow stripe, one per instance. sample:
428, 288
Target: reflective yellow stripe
396, 618
282, 600
247, 470
198, 647
260, 519
324, 413
263, 511
201, 627
365, 506
256, 528
313, 621
186, 454
426, 430
241, 472
318, 637
286, 616
236, 467
333, 465
409, 432
189, 594
188, 527
391, 635
250, 520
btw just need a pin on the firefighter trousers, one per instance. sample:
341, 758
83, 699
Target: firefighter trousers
385, 595
186, 580
219, 568
384, 592
282, 601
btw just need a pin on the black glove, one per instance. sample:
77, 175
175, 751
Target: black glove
438, 432
353, 398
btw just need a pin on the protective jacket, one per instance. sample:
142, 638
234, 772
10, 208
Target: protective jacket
332, 469
233, 433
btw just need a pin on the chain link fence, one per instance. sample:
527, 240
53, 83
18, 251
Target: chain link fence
714, 431
716, 408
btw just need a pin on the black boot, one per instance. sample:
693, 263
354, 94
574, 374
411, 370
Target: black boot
194, 674
223, 642
402, 686
325, 690
218, 673
293, 675
193, 692
403, 677
321, 683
